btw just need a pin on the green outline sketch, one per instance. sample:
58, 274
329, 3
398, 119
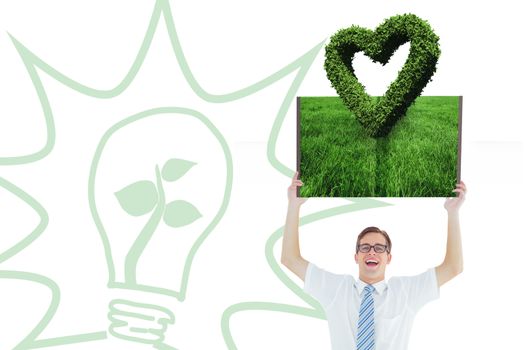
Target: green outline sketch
46, 109
32, 61
162, 8
29, 340
118, 318
44, 219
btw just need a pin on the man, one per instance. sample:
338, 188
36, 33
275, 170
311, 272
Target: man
369, 313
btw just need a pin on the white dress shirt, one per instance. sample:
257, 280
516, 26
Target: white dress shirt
396, 304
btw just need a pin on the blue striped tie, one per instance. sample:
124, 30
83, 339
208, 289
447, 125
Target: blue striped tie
365, 325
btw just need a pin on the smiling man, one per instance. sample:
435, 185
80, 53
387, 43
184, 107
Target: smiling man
368, 312
371, 245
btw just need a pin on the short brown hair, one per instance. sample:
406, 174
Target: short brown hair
371, 229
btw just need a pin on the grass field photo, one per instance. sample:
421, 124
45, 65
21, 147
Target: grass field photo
418, 157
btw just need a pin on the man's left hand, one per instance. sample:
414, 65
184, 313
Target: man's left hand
453, 204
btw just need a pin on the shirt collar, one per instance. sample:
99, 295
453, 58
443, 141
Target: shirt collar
380, 286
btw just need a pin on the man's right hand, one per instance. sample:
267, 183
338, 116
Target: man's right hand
292, 192
291, 253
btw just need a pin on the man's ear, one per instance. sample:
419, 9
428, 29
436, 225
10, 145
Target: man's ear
355, 258
389, 258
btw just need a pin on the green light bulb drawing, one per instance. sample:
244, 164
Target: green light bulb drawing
159, 183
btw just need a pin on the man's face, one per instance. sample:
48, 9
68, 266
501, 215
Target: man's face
372, 265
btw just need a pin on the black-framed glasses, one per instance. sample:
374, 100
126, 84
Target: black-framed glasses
378, 248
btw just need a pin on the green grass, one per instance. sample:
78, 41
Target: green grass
418, 158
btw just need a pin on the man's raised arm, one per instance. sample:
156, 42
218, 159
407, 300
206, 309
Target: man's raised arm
291, 253
453, 263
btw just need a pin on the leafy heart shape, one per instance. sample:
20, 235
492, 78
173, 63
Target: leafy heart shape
378, 117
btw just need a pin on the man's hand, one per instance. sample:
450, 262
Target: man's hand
453, 263
292, 192
291, 252
453, 204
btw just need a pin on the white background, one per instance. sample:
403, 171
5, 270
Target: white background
230, 45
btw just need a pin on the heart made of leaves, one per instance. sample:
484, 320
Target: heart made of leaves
379, 116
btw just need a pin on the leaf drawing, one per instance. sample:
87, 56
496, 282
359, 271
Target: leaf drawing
175, 168
139, 198
180, 213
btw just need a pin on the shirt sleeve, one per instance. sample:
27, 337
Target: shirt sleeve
421, 289
321, 284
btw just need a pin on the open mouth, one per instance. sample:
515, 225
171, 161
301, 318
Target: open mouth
371, 262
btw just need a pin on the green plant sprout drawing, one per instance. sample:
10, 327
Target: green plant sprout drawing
143, 197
